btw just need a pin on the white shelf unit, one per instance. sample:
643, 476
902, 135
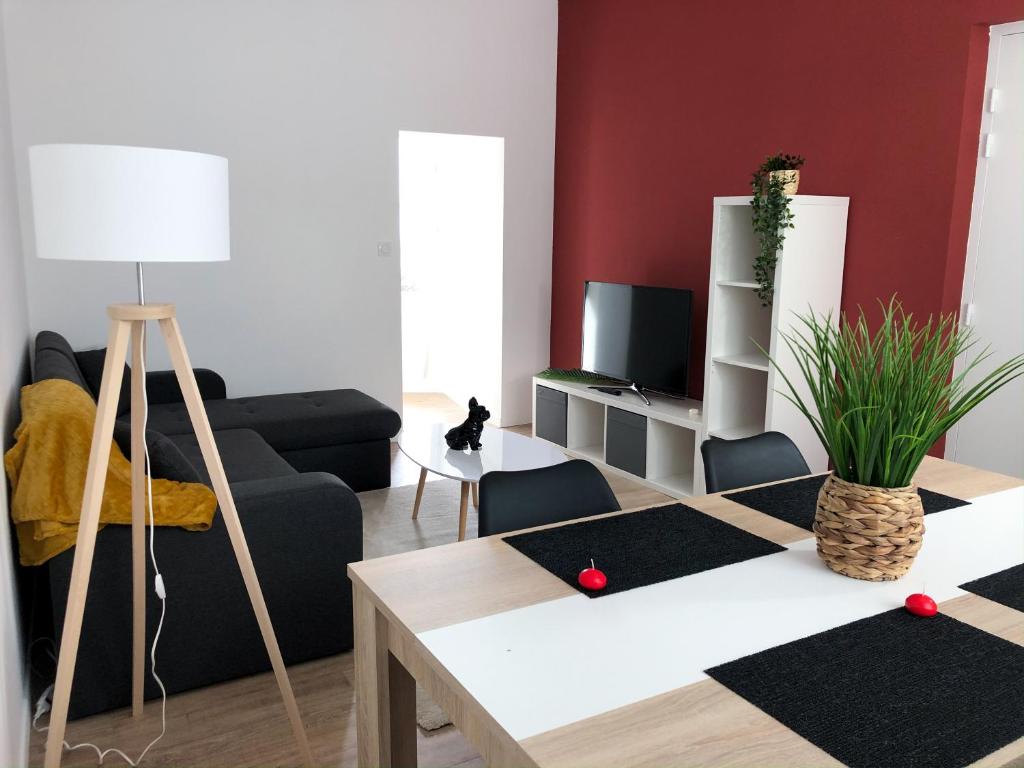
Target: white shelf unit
585, 428
672, 440
671, 457
742, 392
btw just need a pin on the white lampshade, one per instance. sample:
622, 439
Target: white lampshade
93, 202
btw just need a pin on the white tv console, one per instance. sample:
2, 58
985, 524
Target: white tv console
657, 445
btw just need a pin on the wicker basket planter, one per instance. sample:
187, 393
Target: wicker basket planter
790, 180
866, 532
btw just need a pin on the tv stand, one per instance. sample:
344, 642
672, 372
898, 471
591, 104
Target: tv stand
654, 441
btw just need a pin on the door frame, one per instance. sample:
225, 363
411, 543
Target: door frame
997, 33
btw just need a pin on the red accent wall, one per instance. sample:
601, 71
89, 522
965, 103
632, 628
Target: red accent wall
664, 104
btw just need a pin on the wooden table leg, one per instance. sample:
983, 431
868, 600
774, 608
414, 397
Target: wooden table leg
385, 693
476, 494
419, 492
463, 509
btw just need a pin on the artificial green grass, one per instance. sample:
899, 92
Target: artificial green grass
880, 399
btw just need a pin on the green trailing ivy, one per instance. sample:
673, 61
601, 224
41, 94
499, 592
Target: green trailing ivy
771, 219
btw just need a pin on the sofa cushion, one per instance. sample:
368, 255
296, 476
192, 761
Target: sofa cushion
290, 422
244, 454
91, 364
55, 359
166, 460
161, 386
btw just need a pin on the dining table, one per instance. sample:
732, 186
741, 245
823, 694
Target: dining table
723, 639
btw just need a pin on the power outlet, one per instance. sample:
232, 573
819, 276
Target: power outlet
384, 249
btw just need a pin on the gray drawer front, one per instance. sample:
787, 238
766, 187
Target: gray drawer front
626, 441
551, 410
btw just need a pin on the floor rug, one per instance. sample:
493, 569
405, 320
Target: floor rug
429, 716
388, 527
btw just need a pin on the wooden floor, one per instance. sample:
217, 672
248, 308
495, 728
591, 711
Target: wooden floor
242, 723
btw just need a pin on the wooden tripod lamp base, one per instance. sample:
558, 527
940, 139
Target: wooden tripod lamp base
127, 321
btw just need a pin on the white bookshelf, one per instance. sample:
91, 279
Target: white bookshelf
671, 442
585, 427
741, 390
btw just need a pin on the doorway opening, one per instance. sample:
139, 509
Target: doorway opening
451, 225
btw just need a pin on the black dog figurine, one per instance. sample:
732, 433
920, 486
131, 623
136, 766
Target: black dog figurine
467, 434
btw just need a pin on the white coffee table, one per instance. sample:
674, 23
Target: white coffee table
501, 450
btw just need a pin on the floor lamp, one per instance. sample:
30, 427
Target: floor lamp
110, 203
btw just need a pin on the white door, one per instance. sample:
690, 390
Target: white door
992, 436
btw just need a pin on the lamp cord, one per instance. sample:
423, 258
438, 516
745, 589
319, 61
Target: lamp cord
44, 703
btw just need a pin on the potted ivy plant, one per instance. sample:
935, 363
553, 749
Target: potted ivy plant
785, 168
772, 184
878, 400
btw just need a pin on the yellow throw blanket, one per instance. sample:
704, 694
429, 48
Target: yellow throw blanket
47, 467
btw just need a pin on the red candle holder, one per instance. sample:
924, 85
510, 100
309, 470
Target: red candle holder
593, 579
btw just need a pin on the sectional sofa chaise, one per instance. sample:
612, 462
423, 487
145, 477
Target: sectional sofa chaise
294, 462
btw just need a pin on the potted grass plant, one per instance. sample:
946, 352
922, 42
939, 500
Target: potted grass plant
878, 400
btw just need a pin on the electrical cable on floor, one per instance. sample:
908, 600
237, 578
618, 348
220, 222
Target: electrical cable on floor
43, 704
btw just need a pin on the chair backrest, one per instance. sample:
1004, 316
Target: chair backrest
510, 501
753, 460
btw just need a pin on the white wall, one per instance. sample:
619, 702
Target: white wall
305, 98
14, 702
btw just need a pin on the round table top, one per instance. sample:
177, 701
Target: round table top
501, 450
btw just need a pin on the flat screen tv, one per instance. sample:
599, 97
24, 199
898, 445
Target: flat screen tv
638, 333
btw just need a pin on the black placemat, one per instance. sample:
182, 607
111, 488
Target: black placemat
795, 501
891, 690
1005, 587
641, 548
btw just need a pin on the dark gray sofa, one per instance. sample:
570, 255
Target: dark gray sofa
292, 462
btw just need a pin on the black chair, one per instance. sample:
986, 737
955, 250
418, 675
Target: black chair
762, 458
510, 501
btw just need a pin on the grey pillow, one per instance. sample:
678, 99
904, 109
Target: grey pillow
91, 364
166, 460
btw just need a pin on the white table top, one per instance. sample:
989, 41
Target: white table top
501, 450
556, 662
